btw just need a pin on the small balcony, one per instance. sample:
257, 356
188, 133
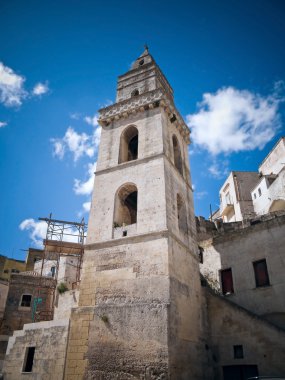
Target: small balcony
227, 208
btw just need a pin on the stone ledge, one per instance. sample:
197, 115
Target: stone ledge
220, 231
148, 236
140, 103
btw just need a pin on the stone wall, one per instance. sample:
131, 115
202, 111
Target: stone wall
64, 303
4, 287
272, 195
238, 186
127, 286
263, 344
274, 161
237, 247
186, 329
15, 315
67, 268
10, 266
33, 256
49, 340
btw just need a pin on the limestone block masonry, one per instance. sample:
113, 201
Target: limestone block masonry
49, 339
139, 313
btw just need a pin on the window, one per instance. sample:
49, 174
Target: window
259, 191
254, 195
261, 273
15, 271
126, 201
238, 352
141, 62
181, 215
227, 281
129, 145
135, 93
52, 270
26, 300
6, 270
173, 118
228, 199
29, 359
177, 154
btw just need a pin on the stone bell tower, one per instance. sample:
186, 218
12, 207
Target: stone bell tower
139, 307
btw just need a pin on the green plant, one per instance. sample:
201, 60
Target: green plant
104, 318
116, 225
62, 288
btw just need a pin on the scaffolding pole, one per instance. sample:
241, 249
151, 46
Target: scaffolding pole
63, 238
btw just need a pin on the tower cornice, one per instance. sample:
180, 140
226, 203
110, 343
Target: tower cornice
141, 103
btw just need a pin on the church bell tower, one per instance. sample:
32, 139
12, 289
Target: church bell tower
139, 307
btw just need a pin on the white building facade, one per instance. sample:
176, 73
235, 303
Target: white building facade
268, 195
245, 195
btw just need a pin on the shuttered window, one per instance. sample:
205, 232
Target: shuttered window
261, 273
227, 281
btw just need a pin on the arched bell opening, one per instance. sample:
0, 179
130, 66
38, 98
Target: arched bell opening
129, 142
177, 155
126, 200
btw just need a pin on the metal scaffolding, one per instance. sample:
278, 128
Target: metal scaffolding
63, 238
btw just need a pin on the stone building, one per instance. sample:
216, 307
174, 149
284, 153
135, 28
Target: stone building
141, 311
140, 283
268, 195
9, 266
34, 255
245, 195
235, 197
246, 263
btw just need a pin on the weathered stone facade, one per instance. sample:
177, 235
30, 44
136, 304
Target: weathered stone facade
230, 325
141, 312
49, 339
18, 313
237, 246
136, 289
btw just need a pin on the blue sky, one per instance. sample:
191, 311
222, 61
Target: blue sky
59, 62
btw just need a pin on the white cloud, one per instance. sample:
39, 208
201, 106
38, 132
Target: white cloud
79, 144
86, 206
3, 124
219, 169
92, 120
75, 116
200, 194
12, 90
96, 137
40, 89
85, 187
58, 148
232, 120
37, 230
